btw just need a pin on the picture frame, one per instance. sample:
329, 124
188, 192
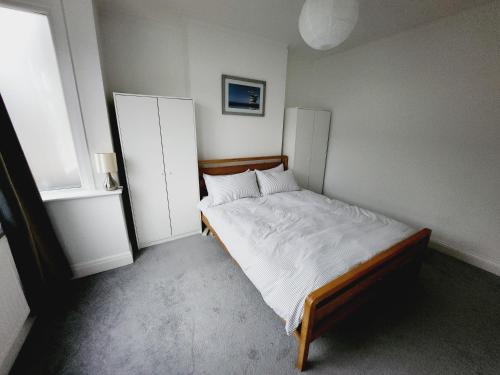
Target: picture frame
243, 96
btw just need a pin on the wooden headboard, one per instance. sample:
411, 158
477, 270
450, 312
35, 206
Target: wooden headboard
237, 165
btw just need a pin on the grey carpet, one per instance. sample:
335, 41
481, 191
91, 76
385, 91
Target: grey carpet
185, 307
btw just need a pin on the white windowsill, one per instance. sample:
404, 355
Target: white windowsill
65, 194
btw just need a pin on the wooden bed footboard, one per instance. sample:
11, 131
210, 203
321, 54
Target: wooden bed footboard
336, 300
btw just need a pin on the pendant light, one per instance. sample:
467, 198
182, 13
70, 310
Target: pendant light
325, 24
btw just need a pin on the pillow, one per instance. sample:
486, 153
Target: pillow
228, 188
279, 168
276, 182
205, 203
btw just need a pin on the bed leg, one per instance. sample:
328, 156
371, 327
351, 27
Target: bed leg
303, 353
306, 329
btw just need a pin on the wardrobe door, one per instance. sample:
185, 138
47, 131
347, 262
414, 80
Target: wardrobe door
319, 150
303, 143
139, 128
178, 133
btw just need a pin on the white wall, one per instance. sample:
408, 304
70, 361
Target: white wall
177, 56
143, 56
81, 29
216, 51
416, 128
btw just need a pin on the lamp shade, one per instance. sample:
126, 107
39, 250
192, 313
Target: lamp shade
325, 24
106, 162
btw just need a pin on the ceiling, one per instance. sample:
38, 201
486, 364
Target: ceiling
278, 19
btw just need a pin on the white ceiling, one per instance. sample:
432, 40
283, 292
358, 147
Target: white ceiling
277, 19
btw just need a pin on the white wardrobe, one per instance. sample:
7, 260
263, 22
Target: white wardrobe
158, 141
305, 141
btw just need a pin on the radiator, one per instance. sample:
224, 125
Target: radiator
14, 309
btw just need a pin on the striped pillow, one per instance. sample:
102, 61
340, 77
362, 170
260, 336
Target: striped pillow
276, 182
228, 188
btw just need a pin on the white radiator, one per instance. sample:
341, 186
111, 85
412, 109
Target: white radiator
14, 309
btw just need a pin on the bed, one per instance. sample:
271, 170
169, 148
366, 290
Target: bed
313, 259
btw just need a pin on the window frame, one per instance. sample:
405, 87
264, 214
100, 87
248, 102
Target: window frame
53, 10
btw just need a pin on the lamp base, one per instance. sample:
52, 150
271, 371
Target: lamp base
110, 183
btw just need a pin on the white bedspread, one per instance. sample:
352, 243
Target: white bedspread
289, 244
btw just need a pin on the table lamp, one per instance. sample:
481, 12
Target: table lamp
106, 163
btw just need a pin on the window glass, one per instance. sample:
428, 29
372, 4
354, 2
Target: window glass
31, 88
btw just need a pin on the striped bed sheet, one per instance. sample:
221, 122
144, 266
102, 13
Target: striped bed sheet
290, 244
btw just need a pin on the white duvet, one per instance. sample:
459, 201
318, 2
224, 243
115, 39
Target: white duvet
289, 244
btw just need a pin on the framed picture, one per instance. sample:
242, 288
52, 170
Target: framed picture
243, 96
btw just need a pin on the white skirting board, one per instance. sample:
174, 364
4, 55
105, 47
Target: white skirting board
473, 259
102, 264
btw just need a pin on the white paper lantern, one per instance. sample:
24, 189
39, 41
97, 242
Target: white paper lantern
325, 24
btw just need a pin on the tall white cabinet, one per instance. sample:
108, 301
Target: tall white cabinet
158, 141
305, 141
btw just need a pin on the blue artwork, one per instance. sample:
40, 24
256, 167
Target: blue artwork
243, 97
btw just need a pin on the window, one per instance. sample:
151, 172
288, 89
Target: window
31, 88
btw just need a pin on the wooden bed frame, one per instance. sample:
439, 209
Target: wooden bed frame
334, 301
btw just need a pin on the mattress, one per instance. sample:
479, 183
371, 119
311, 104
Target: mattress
290, 244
